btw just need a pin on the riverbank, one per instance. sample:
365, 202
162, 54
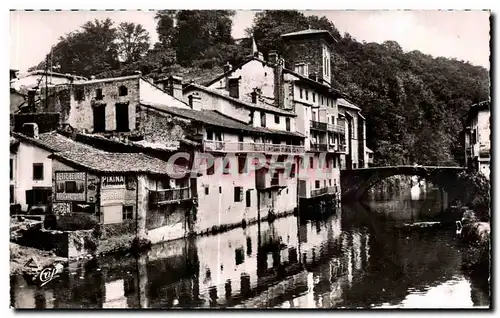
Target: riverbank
20, 255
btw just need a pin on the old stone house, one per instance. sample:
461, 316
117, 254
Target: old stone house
478, 138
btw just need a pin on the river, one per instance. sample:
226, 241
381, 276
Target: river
355, 258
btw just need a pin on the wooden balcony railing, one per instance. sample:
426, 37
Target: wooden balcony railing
318, 125
339, 128
322, 191
235, 146
319, 147
169, 196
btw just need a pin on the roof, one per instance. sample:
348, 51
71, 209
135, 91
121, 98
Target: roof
345, 103
109, 79
43, 72
108, 162
306, 33
315, 83
53, 142
261, 106
368, 150
214, 118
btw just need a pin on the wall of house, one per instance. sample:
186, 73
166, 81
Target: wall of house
151, 94
270, 121
16, 100
228, 108
81, 113
306, 51
254, 74
27, 155
327, 176
13, 180
352, 145
218, 207
158, 127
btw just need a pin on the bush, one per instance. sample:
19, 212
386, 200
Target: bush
475, 190
76, 221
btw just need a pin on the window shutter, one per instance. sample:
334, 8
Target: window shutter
241, 194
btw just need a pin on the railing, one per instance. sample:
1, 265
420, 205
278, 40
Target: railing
336, 128
322, 191
319, 147
235, 146
169, 195
337, 148
319, 126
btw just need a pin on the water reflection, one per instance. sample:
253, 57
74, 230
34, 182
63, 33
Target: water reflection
354, 259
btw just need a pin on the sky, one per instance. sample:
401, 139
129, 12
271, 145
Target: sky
464, 35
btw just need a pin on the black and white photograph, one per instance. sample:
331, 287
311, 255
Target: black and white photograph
250, 159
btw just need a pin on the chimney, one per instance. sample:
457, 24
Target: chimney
174, 87
227, 67
273, 57
195, 101
30, 130
92, 77
254, 97
234, 87
279, 90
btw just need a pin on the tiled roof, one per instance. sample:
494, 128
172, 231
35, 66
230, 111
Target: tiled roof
108, 162
214, 118
345, 103
43, 72
110, 79
53, 142
260, 106
310, 32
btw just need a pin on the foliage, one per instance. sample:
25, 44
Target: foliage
91, 50
76, 221
476, 191
133, 41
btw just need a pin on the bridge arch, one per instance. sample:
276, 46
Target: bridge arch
356, 182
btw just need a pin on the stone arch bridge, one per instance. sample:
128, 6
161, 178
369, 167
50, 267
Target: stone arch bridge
356, 182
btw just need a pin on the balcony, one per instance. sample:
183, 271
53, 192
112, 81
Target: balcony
169, 196
340, 129
322, 191
337, 148
235, 146
319, 147
318, 126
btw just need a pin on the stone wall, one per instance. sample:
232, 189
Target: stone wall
305, 51
158, 127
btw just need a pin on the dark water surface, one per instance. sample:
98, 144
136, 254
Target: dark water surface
356, 258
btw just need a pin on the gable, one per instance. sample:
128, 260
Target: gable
151, 94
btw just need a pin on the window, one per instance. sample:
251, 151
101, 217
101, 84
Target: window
293, 170
322, 100
301, 91
334, 162
98, 94
248, 199
263, 119
11, 169
220, 189
79, 94
127, 212
354, 165
122, 91
317, 184
38, 171
327, 163
70, 187
314, 97
207, 191
238, 194
242, 165
210, 135
99, 113
287, 122
330, 182
227, 166
11, 194
311, 162
269, 195
307, 94
276, 119
324, 183
121, 115
211, 169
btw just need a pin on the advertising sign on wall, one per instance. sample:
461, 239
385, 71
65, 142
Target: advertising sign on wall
71, 186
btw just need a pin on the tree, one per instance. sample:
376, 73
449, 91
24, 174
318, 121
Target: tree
133, 41
165, 27
86, 52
